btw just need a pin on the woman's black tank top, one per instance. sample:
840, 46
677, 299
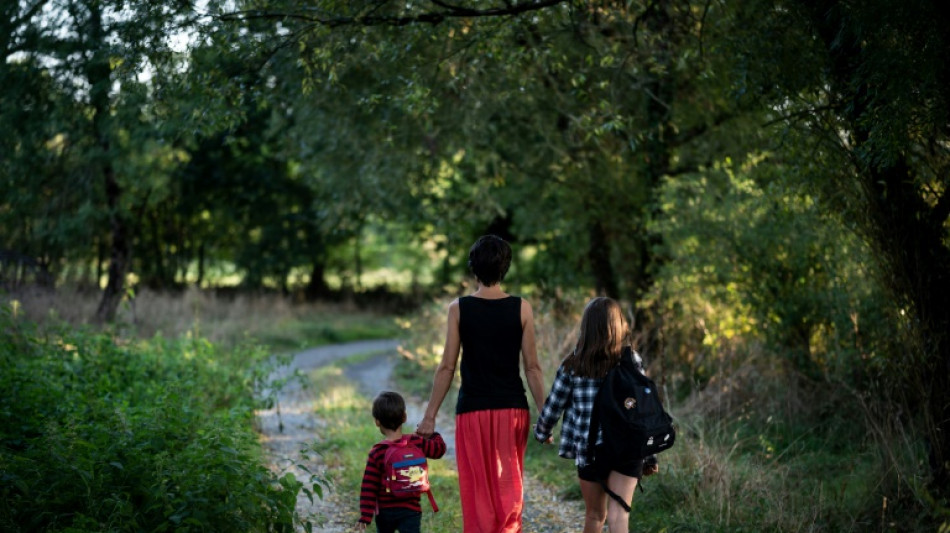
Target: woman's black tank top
490, 332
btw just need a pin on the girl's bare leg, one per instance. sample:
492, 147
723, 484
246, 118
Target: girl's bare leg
595, 506
618, 520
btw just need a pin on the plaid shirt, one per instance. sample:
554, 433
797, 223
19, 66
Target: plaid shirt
574, 396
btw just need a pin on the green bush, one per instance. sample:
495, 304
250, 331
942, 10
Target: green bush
97, 434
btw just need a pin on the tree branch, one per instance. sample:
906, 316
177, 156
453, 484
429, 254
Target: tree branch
447, 11
811, 111
29, 13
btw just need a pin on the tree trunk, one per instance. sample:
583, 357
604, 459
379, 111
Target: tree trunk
357, 257
121, 254
98, 74
317, 287
201, 263
907, 234
917, 263
605, 279
655, 165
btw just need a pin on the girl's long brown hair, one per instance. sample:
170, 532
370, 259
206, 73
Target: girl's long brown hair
602, 337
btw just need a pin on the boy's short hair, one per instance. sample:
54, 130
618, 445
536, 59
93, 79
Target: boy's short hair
390, 409
489, 259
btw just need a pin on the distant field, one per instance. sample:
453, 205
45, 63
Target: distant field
272, 320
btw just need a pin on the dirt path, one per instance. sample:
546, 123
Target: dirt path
292, 424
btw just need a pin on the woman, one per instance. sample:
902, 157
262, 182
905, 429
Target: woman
600, 345
490, 329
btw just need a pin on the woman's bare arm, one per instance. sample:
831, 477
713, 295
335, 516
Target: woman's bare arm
444, 373
529, 356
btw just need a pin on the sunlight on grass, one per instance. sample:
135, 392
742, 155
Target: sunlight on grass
274, 321
336, 394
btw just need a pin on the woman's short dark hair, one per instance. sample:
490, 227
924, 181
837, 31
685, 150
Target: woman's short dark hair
489, 259
390, 409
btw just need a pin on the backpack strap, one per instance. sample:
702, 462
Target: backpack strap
435, 508
615, 496
594, 426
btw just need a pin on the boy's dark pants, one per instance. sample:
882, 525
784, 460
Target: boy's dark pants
398, 519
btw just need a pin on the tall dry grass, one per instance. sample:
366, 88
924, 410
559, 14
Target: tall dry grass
220, 319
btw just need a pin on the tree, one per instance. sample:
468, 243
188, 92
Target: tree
869, 81
97, 50
585, 95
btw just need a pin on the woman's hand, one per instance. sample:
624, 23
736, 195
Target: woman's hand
427, 427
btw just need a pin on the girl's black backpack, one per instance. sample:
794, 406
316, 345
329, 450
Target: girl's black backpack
631, 415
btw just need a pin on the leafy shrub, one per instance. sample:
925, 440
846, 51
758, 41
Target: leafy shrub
97, 434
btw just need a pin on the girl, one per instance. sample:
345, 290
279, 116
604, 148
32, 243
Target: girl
600, 346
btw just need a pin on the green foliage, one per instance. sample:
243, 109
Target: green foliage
759, 258
102, 435
49, 205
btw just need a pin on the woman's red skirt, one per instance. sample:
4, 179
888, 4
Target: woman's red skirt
489, 448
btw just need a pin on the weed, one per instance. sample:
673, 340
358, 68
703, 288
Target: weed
104, 435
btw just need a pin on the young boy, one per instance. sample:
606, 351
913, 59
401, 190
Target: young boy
402, 514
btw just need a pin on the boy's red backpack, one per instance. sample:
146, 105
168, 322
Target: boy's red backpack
406, 471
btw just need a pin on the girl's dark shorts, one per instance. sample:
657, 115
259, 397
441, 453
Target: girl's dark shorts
597, 472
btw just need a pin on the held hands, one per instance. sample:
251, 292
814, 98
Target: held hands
549, 440
427, 427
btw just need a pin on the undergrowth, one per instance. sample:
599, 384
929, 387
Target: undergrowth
102, 434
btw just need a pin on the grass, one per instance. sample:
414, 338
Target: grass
318, 328
271, 320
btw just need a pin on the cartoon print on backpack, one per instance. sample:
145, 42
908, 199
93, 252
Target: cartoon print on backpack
406, 471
